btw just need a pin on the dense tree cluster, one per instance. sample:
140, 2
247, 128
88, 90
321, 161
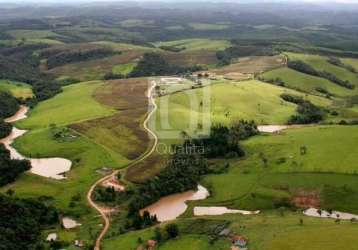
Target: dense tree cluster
10, 169
153, 64
21, 64
8, 105
65, 57
182, 173
226, 56
225, 141
5, 129
306, 111
308, 69
21, 222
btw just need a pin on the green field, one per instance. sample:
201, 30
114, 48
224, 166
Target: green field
123, 68
32, 34
288, 171
74, 105
351, 61
227, 102
197, 44
208, 26
266, 231
306, 83
122, 46
17, 89
130, 23
320, 63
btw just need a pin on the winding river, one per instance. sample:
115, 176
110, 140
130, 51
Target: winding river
54, 168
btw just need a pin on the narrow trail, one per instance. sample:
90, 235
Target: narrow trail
101, 210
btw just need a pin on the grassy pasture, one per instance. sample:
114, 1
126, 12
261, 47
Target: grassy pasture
123, 68
320, 63
191, 58
122, 46
17, 89
304, 82
228, 102
132, 23
32, 34
351, 61
95, 69
197, 44
251, 65
121, 133
268, 231
75, 104
251, 184
208, 26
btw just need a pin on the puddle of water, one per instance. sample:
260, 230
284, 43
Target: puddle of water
313, 212
200, 211
172, 206
69, 223
47, 167
271, 128
52, 237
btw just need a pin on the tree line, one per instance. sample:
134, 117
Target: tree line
226, 56
8, 107
153, 64
308, 69
21, 64
10, 169
306, 111
65, 57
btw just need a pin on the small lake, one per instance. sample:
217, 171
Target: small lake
170, 207
47, 167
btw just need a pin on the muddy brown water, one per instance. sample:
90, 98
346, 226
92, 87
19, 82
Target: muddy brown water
201, 211
172, 206
47, 167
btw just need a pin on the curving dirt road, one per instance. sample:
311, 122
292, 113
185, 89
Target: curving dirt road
101, 210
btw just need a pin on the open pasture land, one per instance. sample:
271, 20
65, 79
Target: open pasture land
265, 231
32, 34
298, 163
74, 104
124, 46
351, 61
229, 101
196, 44
123, 132
124, 69
95, 69
203, 57
133, 23
17, 89
320, 63
251, 65
304, 82
208, 26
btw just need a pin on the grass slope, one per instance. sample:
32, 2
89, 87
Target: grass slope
17, 89
197, 44
306, 83
227, 102
73, 105
320, 63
